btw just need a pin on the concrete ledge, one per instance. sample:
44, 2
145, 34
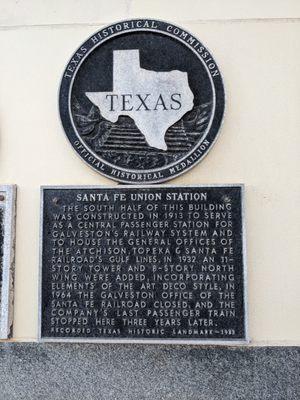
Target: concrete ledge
139, 372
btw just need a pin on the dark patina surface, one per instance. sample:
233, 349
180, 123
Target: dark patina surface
143, 263
118, 149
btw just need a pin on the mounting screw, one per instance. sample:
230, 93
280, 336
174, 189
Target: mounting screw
226, 199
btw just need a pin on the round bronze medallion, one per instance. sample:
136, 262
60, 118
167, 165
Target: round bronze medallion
142, 101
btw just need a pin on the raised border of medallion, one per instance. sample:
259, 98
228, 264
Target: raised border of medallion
8, 204
227, 342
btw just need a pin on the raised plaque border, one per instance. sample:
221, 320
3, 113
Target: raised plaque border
8, 204
227, 342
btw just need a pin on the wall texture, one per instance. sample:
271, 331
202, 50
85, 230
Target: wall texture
256, 45
48, 371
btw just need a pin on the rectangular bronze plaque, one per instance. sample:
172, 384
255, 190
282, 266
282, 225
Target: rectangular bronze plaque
7, 257
143, 263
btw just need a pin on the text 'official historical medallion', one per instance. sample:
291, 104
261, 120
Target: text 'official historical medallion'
142, 101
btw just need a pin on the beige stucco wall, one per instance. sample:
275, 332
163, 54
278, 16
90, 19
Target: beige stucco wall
257, 47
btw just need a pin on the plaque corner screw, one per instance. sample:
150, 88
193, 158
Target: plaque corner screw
226, 199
